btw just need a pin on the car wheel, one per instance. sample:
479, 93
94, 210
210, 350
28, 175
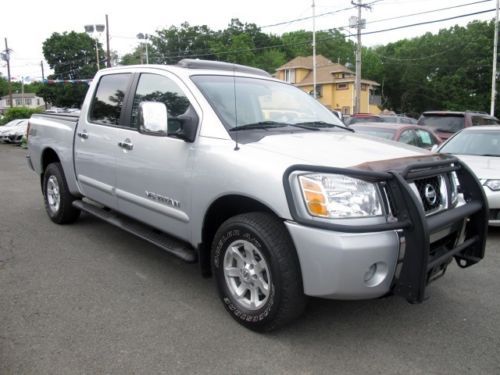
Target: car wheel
257, 271
57, 198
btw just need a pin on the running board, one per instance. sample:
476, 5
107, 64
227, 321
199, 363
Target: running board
160, 239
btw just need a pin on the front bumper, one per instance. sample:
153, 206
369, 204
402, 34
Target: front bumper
338, 265
494, 204
402, 256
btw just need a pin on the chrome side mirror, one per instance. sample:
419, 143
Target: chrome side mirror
434, 148
153, 118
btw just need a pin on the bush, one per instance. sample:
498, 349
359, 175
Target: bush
18, 112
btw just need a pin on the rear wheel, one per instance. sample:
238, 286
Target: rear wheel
57, 198
257, 271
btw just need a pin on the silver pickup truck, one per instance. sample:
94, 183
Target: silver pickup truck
262, 185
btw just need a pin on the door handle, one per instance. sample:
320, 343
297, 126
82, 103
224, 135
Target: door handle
126, 144
83, 134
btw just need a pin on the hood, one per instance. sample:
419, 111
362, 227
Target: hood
485, 167
340, 149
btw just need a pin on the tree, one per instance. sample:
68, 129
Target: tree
72, 56
175, 43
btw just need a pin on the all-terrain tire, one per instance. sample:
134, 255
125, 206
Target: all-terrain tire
257, 271
57, 197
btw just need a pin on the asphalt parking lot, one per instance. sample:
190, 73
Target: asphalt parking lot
89, 298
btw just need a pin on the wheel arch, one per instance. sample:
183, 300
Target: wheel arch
219, 211
48, 156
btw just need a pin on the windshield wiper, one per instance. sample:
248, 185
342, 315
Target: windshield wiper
259, 125
323, 124
494, 155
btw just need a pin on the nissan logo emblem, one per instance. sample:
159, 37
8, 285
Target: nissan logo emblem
430, 194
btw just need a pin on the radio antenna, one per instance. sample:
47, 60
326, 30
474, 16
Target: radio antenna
236, 146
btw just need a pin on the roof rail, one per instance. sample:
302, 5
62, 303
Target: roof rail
219, 65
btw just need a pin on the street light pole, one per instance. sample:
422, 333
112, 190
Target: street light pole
494, 74
144, 37
90, 29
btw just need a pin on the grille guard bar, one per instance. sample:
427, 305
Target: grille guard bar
417, 267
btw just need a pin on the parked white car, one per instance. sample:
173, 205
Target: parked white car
13, 131
479, 148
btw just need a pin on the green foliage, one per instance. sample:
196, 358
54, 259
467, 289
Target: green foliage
135, 57
450, 70
72, 56
18, 113
64, 95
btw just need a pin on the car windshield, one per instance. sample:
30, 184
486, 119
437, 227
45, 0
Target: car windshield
252, 103
443, 123
474, 143
380, 133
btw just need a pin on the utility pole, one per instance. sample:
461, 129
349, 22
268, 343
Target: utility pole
43, 80
360, 24
314, 48
494, 74
6, 57
108, 53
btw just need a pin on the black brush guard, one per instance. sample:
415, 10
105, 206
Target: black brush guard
428, 243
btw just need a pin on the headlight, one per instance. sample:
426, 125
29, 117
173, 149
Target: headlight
455, 187
493, 184
337, 196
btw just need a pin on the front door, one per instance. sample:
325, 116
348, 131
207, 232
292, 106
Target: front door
96, 143
152, 172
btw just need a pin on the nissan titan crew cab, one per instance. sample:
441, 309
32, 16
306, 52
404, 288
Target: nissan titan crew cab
260, 184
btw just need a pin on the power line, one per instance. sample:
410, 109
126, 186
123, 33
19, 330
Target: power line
427, 22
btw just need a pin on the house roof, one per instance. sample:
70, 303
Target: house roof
306, 62
325, 69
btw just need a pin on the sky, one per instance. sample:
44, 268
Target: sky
26, 25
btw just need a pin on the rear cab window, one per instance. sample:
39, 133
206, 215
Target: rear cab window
107, 104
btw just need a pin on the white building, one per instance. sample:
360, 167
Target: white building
29, 100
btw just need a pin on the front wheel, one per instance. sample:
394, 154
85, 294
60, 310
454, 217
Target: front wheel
257, 271
57, 197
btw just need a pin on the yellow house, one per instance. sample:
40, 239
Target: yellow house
335, 84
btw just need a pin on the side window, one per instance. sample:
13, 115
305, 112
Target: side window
426, 139
156, 88
408, 137
108, 100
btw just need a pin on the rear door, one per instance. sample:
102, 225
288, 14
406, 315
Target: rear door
98, 134
153, 172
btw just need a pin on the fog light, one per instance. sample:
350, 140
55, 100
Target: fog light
376, 274
371, 272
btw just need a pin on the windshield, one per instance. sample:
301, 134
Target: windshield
259, 103
474, 143
380, 133
443, 123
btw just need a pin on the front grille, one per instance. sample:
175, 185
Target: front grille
429, 190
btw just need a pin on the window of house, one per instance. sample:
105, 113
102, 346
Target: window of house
290, 75
108, 101
38, 102
18, 102
27, 101
156, 88
342, 86
9, 103
319, 91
